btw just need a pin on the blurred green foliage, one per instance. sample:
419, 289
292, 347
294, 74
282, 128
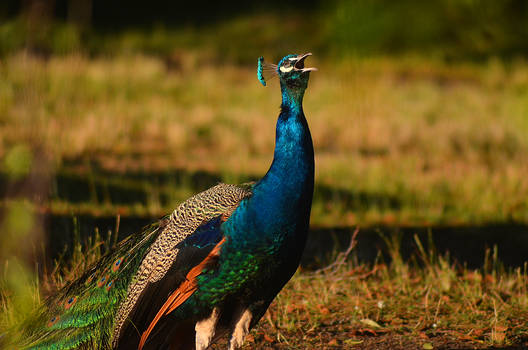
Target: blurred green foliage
451, 29
454, 28
17, 161
18, 285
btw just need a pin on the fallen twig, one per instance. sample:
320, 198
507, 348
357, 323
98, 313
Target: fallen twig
341, 257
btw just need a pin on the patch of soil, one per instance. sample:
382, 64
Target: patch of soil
382, 341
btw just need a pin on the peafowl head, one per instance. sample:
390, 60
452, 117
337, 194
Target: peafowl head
292, 73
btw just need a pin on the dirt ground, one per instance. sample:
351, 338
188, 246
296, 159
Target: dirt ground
382, 341
364, 339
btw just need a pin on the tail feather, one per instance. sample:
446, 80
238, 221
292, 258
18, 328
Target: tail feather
81, 315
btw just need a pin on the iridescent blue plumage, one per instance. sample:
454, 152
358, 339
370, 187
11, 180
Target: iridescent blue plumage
209, 269
260, 71
266, 234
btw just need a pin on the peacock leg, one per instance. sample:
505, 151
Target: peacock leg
205, 330
240, 330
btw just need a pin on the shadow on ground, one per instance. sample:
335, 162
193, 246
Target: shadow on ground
81, 181
466, 244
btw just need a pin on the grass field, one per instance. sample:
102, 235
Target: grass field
427, 302
398, 142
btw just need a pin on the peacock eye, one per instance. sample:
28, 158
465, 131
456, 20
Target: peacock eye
286, 67
101, 281
109, 285
69, 303
116, 264
53, 321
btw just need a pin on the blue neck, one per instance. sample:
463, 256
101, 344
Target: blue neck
279, 209
284, 195
293, 159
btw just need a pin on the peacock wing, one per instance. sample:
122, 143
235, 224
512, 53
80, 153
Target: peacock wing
150, 322
91, 312
218, 202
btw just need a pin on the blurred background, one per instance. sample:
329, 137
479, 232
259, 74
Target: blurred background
111, 113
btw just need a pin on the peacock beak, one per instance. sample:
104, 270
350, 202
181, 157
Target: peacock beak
299, 65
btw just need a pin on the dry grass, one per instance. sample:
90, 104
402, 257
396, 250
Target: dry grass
400, 305
427, 300
408, 141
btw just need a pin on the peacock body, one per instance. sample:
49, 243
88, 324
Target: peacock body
209, 269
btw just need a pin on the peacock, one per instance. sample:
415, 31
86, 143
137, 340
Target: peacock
208, 270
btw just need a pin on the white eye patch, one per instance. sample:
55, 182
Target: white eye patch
286, 69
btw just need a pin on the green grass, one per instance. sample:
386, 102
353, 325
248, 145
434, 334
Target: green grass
474, 30
398, 141
394, 304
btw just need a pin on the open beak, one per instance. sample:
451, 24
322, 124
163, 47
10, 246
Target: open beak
299, 65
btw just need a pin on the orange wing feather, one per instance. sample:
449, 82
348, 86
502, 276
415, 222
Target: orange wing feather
184, 291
